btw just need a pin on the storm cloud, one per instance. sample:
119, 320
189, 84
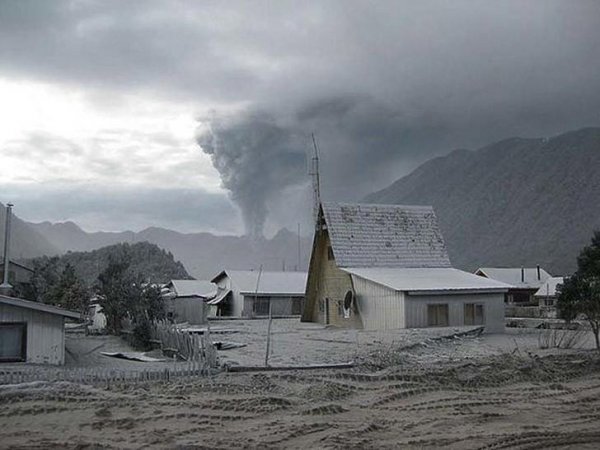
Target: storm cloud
383, 85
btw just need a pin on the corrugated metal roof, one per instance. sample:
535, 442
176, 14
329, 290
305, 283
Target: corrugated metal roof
549, 287
193, 288
369, 235
282, 283
19, 302
428, 279
512, 276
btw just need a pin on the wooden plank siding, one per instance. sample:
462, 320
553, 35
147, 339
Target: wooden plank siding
381, 308
45, 333
416, 309
327, 285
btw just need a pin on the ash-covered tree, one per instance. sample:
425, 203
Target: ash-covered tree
124, 294
579, 295
69, 291
45, 276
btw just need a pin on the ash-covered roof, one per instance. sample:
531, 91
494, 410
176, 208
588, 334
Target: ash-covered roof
272, 283
193, 288
428, 279
37, 306
513, 276
370, 235
548, 289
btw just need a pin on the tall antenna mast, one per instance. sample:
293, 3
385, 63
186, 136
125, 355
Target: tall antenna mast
316, 182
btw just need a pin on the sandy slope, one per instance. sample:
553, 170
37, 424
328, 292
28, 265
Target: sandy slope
392, 400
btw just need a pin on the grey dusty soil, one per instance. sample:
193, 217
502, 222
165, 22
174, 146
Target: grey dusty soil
489, 392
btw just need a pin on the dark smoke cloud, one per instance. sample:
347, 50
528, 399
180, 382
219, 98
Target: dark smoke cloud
256, 158
383, 85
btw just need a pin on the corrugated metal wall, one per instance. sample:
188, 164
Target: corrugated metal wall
190, 309
416, 309
45, 333
381, 308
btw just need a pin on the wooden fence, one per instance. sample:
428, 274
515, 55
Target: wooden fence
100, 376
193, 355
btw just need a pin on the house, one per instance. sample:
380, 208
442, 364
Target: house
546, 295
186, 300
382, 267
32, 332
525, 282
19, 276
252, 293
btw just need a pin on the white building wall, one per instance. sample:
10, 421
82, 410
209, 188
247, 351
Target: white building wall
237, 300
45, 333
380, 308
416, 309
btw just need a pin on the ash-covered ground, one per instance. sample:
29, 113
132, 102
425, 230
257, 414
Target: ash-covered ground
491, 391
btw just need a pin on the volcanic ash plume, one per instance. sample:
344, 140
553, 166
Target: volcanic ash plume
257, 159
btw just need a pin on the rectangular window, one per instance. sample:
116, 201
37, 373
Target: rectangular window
13, 342
261, 306
437, 315
474, 314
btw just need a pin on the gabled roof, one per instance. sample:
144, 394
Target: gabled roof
273, 283
20, 303
548, 289
193, 288
13, 263
512, 276
428, 279
370, 235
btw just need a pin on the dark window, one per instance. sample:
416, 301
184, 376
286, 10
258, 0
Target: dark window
297, 305
437, 315
474, 314
261, 306
521, 297
13, 341
330, 256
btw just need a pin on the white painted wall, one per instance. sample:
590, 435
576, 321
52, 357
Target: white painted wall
45, 333
380, 308
416, 309
237, 304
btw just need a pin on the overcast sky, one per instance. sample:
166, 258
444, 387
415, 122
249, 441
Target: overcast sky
197, 115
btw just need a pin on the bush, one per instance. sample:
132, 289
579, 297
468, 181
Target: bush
142, 335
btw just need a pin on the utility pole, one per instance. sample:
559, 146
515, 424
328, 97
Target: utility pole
316, 182
5, 287
299, 250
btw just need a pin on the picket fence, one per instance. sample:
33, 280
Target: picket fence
193, 356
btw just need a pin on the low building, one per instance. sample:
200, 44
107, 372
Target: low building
546, 295
253, 293
19, 277
186, 300
382, 267
524, 281
32, 332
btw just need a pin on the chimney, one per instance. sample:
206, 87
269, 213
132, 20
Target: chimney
5, 287
538, 272
522, 274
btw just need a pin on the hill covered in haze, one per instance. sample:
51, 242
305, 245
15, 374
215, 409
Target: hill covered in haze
203, 254
155, 264
516, 202
26, 242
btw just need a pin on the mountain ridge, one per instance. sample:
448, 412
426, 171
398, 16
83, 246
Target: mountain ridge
534, 196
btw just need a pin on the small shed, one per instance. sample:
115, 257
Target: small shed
32, 332
547, 294
252, 293
386, 266
524, 282
186, 300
